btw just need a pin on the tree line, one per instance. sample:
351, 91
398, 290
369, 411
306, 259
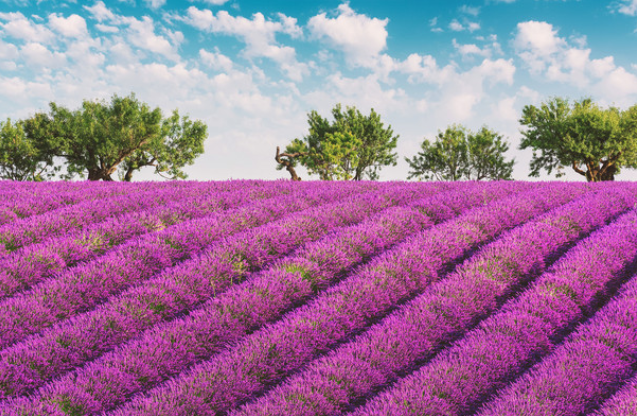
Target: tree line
596, 143
123, 135
98, 140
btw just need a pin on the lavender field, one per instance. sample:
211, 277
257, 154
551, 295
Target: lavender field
318, 298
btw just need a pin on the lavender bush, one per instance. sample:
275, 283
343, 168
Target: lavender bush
263, 298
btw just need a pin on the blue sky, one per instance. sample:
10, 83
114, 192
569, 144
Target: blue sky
252, 70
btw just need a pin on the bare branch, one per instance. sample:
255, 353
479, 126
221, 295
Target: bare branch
288, 163
290, 155
577, 169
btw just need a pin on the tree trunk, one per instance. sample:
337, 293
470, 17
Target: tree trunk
596, 174
94, 175
288, 163
129, 175
592, 174
609, 174
97, 174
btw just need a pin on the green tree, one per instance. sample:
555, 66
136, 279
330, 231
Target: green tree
179, 144
444, 159
125, 134
458, 154
353, 146
19, 158
485, 156
595, 142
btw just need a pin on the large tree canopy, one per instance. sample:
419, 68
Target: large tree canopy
595, 142
125, 134
353, 146
457, 154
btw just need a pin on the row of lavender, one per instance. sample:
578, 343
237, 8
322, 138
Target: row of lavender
222, 383
406, 339
524, 329
278, 289
108, 273
80, 288
13, 369
328, 257
177, 289
78, 233
25, 199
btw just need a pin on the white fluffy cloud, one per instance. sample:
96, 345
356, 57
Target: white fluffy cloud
456, 26
87, 53
176, 78
213, 2
19, 89
257, 33
73, 26
618, 87
155, 4
628, 7
106, 28
364, 92
574, 66
498, 71
538, 44
18, 26
100, 12
542, 50
367, 91
458, 92
470, 49
433, 25
8, 55
473, 11
532, 95
215, 60
289, 26
141, 33
461, 92
421, 68
539, 38
361, 38
505, 109
36, 54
